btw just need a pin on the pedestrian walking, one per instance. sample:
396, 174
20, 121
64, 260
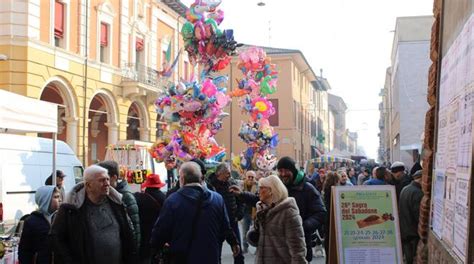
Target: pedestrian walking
343, 179
363, 176
34, 244
310, 205
399, 178
149, 203
332, 179
128, 199
352, 176
92, 226
59, 183
193, 222
380, 175
410, 199
249, 185
220, 182
278, 230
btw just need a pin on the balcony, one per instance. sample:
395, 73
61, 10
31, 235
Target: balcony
139, 80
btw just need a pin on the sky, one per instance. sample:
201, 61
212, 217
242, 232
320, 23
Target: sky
351, 40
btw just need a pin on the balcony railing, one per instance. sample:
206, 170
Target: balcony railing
132, 72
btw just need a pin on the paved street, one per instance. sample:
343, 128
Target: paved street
250, 257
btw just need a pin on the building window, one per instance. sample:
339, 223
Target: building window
139, 47
104, 43
59, 18
164, 63
274, 120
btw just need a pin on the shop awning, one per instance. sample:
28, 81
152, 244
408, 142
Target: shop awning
21, 113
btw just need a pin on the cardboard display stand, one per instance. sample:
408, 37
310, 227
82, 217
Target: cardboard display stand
364, 225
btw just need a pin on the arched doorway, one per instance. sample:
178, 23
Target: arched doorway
52, 94
58, 91
103, 126
133, 122
138, 122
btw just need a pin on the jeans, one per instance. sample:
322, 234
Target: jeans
246, 223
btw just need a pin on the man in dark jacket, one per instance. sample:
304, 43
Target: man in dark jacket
92, 226
399, 178
410, 199
128, 199
380, 175
307, 198
220, 181
193, 221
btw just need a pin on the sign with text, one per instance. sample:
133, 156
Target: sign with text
365, 225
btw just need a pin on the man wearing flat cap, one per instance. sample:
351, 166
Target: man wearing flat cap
399, 178
410, 199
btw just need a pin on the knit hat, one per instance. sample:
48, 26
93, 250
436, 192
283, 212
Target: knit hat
289, 164
397, 166
417, 174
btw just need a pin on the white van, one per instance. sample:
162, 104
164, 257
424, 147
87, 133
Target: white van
25, 163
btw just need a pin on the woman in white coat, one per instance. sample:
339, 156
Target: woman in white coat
278, 230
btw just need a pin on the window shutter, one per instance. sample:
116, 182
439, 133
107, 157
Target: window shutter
58, 19
139, 44
104, 34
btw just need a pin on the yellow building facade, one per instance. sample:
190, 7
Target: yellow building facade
97, 59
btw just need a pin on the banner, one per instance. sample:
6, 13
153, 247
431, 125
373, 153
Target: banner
365, 225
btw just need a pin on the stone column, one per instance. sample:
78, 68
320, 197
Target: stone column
113, 132
71, 136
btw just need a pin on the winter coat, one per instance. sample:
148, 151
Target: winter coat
132, 210
375, 182
310, 205
281, 238
35, 246
234, 207
175, 224
149, 205
69, 232
409, 204
400, 184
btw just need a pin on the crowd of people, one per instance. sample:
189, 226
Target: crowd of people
283, 214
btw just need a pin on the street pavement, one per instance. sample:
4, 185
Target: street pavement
250, 257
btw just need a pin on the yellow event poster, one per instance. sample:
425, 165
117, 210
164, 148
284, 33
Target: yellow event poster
367, 229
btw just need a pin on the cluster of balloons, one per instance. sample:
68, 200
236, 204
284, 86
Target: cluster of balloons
259, 81
193, 112
205, 43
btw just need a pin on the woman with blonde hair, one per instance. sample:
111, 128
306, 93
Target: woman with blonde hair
278, 230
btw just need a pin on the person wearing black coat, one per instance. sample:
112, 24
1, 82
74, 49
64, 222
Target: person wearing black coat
410, 199
149, 205
308, 199
220, 181
34, 244
399, 178
72, 233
